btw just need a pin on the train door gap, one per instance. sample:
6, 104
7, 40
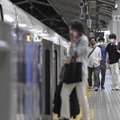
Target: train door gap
56, 68
47, 82
1, 13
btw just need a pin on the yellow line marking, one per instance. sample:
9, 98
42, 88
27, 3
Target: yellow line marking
91, 114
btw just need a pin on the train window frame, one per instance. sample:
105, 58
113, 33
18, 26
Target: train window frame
1, 13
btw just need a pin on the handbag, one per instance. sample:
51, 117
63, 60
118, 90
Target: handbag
73, 72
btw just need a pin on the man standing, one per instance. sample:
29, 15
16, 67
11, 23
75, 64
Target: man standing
113, 56
102, 46
94, 58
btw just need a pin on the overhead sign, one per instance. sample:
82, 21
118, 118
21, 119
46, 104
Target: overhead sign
116, 17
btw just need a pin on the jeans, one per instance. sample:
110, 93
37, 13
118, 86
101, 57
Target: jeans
103, 74
96, 71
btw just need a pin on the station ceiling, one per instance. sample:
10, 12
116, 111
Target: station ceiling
56, 14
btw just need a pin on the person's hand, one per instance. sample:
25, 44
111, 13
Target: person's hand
116, 43
118, 51
99, 62
107, 65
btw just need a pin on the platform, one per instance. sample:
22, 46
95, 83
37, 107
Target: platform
105, 104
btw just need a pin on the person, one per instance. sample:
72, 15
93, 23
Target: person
102, 46
94, 58
112, 57
79, 45
74, 105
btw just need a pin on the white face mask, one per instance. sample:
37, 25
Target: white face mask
112, 40
75, 34
101, 43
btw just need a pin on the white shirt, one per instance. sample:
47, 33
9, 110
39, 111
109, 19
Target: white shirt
95, 57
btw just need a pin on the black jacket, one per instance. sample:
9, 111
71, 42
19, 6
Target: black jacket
74, 106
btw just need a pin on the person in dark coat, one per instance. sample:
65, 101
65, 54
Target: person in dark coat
74, 105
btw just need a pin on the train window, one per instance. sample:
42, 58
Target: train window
1, 13
47, 82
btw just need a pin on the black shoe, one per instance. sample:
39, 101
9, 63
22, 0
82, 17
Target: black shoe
102, 87
65, 119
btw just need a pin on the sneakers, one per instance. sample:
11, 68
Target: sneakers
90, 87
116, 88
96, 88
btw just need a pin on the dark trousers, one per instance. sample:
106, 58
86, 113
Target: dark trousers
96, 71
103, 73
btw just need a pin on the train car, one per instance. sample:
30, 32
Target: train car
40, 55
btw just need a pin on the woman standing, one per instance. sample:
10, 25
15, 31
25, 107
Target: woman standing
79, 46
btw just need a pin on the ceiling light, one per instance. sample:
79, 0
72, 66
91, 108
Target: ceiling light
116, 5
22, 25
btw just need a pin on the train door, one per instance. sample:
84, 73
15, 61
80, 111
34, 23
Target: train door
56, 64
21, 69
47, 79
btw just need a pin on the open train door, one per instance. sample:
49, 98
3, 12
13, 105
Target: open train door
56, 64
47, 75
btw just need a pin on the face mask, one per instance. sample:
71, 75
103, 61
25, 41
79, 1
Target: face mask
112, 40
93, 43
73, 33
101, 43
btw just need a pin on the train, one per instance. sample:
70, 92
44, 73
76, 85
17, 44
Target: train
35, 57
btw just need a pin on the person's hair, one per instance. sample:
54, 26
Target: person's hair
101, 39
93, 38
112, 36
77, 25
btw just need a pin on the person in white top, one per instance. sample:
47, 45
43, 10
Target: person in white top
94, 58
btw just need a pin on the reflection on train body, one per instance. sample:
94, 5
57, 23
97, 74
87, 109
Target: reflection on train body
29, 83
38, 66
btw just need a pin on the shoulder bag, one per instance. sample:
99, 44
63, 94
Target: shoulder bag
73, 71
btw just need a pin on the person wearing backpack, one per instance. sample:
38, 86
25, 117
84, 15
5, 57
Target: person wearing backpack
94, 58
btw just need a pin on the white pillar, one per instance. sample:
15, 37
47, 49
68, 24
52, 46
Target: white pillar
114, 26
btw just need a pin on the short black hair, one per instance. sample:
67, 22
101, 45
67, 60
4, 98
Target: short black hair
101, 39
93, 38
112, 36
77, 25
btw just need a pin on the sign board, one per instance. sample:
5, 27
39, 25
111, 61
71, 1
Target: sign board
99, 34
116, 18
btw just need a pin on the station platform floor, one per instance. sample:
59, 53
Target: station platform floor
104, 104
